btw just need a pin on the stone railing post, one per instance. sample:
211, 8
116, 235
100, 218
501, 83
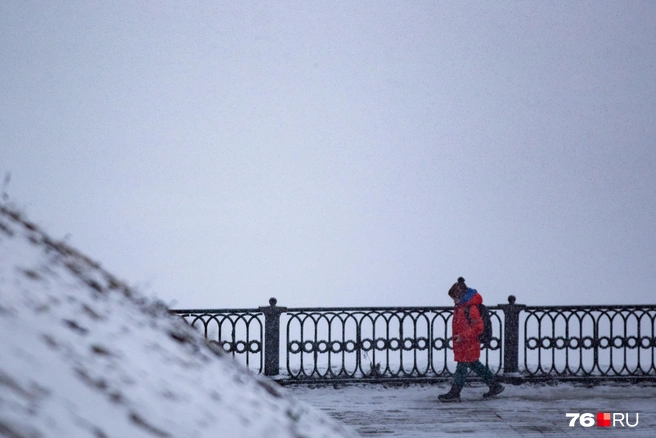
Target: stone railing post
272, 337
511, 313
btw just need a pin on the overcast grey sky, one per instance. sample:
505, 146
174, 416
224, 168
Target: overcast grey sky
340, 153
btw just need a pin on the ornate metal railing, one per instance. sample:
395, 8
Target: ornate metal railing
411, 343
360, 343
239, 332
590, 341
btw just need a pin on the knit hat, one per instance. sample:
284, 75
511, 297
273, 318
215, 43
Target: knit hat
459, 286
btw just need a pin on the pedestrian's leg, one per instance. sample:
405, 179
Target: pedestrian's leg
489, 379
483, 371
458, 382
460, 377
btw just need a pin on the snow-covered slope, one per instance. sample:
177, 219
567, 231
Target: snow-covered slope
81, 354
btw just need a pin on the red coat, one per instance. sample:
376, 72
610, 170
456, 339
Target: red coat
469, 349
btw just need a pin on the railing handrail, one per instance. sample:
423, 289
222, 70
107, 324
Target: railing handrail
595, 306
331, 309
203, 311
377, 309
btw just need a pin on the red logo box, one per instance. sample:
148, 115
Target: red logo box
603, 419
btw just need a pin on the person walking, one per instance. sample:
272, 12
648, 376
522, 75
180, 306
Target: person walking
467, 325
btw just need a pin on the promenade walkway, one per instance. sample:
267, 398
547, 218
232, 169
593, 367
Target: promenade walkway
377, 410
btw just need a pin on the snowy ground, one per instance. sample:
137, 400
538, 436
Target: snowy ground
520, 411
83, 355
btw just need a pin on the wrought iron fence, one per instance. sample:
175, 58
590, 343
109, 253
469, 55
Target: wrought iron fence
599, 341
239, 332
360, 343
414, 343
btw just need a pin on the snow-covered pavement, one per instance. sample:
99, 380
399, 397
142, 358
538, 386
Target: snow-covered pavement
521, 411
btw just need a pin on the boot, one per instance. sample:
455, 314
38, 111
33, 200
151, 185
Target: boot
495, 389
452, 396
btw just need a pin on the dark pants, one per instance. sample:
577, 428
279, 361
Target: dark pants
463, 368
